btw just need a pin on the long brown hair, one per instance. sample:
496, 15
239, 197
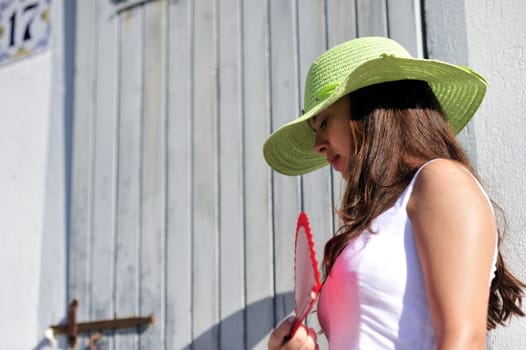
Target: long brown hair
389, 123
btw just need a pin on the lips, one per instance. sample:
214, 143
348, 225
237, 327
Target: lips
332, 160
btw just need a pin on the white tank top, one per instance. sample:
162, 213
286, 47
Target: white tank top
374, 296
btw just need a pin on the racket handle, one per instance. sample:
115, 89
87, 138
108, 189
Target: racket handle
297, 323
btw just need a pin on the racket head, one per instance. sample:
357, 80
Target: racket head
307, 283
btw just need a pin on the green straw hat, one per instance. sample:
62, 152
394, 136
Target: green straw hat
358, 63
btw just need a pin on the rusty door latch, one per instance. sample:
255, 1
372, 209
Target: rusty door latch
72, 328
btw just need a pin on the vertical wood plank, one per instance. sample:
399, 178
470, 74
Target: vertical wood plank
317, 194
258, 217
82, 163
317, 198
372, 17
341, 21
286, 193
231, 223
405, 24
129, 173
153, 197
179, 184
102, 278
311, 34
205, 179
341, 27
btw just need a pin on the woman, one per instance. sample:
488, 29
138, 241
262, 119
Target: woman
415, 264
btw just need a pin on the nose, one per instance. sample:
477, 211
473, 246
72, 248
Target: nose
320, 145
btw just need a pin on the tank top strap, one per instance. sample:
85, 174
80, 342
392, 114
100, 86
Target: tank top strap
404, 198
406, 195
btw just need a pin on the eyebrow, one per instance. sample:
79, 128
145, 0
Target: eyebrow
312, 120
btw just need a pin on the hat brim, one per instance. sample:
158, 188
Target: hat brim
459, 90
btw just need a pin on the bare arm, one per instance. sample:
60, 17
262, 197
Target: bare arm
455, 234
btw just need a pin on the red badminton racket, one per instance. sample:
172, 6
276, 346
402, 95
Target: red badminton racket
306, 273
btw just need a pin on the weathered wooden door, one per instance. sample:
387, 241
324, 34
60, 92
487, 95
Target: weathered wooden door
173, 210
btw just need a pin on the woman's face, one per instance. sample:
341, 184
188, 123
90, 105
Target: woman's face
333, 134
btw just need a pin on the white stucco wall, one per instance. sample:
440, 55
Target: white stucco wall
24, 124
32, 218
490, 36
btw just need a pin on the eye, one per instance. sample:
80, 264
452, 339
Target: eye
324, 122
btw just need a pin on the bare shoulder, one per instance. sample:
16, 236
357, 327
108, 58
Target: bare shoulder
443, 173
445, 177
446, 188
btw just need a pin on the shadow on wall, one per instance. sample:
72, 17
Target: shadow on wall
259, 318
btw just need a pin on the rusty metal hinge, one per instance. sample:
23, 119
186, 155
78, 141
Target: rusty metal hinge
124, 5
72, 328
